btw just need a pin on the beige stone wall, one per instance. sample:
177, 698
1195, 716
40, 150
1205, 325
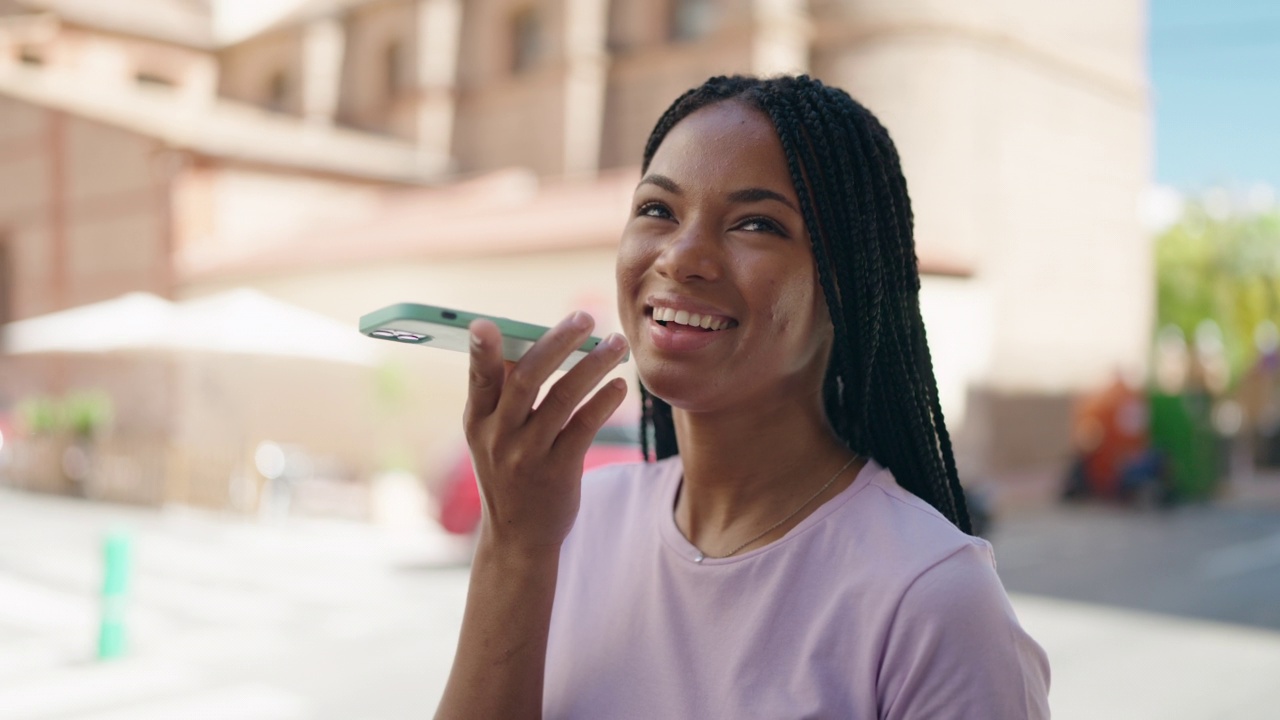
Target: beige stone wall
83, 207
248, 70
226, 210
374, 96
117, 225
507, 118
518, 122
1024, 133
644, 82
488, 41
106, 59
1023, 166
24, 197
1107, 38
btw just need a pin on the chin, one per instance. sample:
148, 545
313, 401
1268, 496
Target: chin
681, 389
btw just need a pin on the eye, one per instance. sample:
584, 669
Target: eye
654, 209
761, 224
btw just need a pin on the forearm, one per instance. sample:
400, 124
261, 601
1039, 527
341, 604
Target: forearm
498, 669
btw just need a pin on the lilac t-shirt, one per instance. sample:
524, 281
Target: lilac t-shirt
873, 607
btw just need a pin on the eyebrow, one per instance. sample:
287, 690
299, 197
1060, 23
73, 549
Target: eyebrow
746, 195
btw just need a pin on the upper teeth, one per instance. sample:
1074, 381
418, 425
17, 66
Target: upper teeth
684, 317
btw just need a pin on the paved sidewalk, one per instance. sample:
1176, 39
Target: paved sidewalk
309, 620
1110, 664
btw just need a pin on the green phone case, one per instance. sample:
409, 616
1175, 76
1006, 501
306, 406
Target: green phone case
431, 326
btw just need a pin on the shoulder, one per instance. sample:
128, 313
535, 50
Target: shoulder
939, 568
955, 648
909, 536
953, 645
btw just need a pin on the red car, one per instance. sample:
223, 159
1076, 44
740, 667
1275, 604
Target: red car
460, 502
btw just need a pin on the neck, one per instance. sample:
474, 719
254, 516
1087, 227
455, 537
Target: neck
746, 470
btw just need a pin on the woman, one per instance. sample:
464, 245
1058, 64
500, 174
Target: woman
798, 547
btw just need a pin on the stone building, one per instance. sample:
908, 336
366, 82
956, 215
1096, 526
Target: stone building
343, 154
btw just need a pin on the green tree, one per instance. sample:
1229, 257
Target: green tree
1224, 268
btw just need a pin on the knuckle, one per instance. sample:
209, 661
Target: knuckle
560, 396
479, 378
470, 426
522, 462
522, 381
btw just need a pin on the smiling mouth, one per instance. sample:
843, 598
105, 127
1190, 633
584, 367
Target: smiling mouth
685, 320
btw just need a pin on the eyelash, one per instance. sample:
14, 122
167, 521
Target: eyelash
767, 225
643, 210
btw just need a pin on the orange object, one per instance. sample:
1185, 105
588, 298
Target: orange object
1110, 429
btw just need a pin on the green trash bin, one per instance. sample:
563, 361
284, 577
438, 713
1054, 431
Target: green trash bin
1182, 429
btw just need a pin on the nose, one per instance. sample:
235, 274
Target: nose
691, 254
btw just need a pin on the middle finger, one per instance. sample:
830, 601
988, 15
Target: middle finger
554, 410
543, 358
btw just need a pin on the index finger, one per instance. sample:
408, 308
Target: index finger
487, 372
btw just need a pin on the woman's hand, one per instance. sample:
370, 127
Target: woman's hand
529, 460
529, 464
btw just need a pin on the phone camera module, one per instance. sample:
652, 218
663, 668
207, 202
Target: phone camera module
412, 337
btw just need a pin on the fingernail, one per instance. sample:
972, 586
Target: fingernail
475, 340
615, 341
581, 320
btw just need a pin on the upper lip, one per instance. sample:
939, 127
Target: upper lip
690, 305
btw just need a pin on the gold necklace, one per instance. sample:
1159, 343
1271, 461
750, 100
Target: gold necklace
703, 556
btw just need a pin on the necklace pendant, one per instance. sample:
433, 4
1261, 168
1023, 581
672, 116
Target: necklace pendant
700, 557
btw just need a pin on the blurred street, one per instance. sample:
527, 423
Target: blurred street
326, 620
1212, 562
228, 618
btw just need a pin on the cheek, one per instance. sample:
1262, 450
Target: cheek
629, 272
802, 309
796, 300
628, 268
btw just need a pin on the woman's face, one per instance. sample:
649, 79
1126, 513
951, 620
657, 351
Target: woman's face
716, 237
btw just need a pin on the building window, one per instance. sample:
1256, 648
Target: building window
692, 19
152, 80
527, 40
393, 68
278, 91
30, 55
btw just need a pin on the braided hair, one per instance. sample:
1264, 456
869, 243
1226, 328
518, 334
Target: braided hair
879, 393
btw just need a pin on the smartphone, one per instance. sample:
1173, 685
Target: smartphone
432, 326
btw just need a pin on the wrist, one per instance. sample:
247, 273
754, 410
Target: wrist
492, 548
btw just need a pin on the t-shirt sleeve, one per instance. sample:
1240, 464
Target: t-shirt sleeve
955, 648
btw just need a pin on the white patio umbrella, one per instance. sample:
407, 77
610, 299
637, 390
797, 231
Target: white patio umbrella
241, 321
249, 322
136, 321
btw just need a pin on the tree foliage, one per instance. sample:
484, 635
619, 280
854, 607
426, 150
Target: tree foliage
1222, 267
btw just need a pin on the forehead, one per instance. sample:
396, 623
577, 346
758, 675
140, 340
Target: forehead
728, 144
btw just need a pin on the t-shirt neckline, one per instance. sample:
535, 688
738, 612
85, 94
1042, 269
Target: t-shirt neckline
688, 552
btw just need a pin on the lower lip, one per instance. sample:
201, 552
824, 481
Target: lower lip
666, 339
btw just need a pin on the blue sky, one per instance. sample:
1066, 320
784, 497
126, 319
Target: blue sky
1215, 76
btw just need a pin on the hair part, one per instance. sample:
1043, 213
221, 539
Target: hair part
879, 393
